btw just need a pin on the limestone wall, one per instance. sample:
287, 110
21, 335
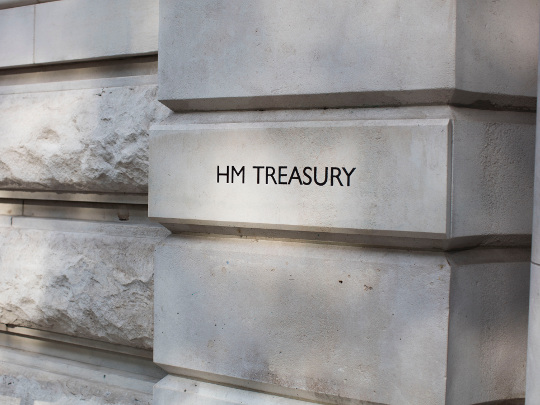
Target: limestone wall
124, 263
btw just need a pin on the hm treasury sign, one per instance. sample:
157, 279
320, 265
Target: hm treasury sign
352, 176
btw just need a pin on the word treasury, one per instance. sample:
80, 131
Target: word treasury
304, 176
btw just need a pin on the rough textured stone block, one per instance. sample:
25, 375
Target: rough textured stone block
17, 36
492, 173
79, 278
78, 140
339, 321
87, 29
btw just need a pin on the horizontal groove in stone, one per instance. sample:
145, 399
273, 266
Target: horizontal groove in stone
78, 75
76, 341
86, 211
81, 356
122, 229
122, 198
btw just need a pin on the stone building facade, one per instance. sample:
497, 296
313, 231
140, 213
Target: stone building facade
267, 202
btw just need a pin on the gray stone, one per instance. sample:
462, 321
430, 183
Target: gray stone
216, 51
312, 54
78, 140
533, 349
496, 46
17, 36
492, 173
487, 342
89, 29
390, 175
429, 172
322, 322
79, 278
34, 378
304, 320
535, 255
178, 390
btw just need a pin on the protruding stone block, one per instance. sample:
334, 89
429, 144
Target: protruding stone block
439, 173
303, 319
322, 175
217, 55
316, 321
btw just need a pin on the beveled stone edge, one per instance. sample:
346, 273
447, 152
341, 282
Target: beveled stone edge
257, 386
370, 99
360, 237
19, 3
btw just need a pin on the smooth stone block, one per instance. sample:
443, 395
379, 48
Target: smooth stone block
424, 172
80, 278
324, 176
533, 348
178, 390
214, 50
535, 255
311, 321
88, 29
91, 140
331, 323
488, 59
17, 36
314, 54
487, 341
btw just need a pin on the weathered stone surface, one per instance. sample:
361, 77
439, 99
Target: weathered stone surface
178, 390
284, 317
23, 385
84, 140
29, 377
82, 279
492, 173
